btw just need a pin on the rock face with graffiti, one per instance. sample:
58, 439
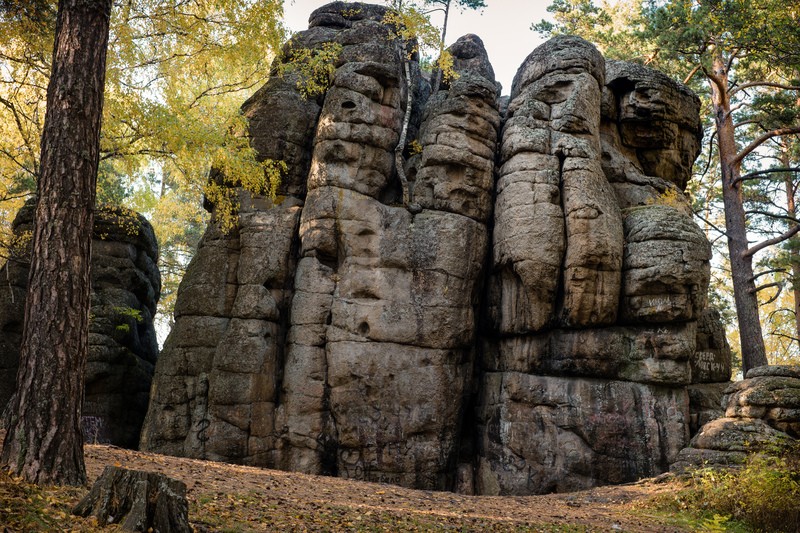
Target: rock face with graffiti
526, 321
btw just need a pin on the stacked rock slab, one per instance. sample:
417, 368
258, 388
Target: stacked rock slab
218, 375
123, 349
370, 352
762, 414
517, 329
599, 277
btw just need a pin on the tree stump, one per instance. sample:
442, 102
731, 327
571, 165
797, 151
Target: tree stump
138, 501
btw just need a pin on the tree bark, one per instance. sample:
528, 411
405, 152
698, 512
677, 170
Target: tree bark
744, 290
794, 255
438, 72
399, 160
138, 501
43, 442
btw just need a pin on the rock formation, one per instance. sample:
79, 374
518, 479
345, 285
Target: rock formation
761, 414
529, 324
122, 342
598, 280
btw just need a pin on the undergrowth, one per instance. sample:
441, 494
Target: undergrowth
761, 496
25, 507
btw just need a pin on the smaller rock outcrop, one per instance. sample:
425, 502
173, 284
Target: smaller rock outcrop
762, 414
126, 285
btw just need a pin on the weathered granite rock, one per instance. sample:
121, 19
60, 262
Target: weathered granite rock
458, 138
762, 414
513, 331
218, 374
126, 285
711, 362
546, 434
769, 393
376, 318
650, 133
665, 266
12, 311
622, 359
385, 319
658, 355
558, 227
711, 371
728, 441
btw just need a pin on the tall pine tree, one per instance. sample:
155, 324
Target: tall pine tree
43, 442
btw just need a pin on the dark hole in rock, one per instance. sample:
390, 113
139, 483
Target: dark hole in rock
347, 104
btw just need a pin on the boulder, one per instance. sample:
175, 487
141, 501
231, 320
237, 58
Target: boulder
771, 395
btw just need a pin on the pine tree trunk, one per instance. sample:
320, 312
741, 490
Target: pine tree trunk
438, 72
43, 441
744, 290
794, 255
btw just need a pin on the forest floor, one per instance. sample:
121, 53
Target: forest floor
232, 498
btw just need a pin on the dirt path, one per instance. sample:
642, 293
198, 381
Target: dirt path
255, 499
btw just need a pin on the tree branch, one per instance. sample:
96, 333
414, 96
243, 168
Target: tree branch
14, 196
770, 271
746, 122
789, 130
767, 286
773, 215
709, 223
788, 234
783, 336
691, 74
710, 152
775, 296
744, 86
759, 173
733, 109
731, 59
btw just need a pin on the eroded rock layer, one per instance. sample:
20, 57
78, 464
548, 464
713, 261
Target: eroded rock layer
761, 414
529, 322
123, 349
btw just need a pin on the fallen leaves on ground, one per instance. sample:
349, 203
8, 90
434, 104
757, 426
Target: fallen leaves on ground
235, 498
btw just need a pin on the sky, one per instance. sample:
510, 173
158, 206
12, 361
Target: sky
504, 27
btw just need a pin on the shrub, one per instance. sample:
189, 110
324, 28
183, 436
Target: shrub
764, 494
